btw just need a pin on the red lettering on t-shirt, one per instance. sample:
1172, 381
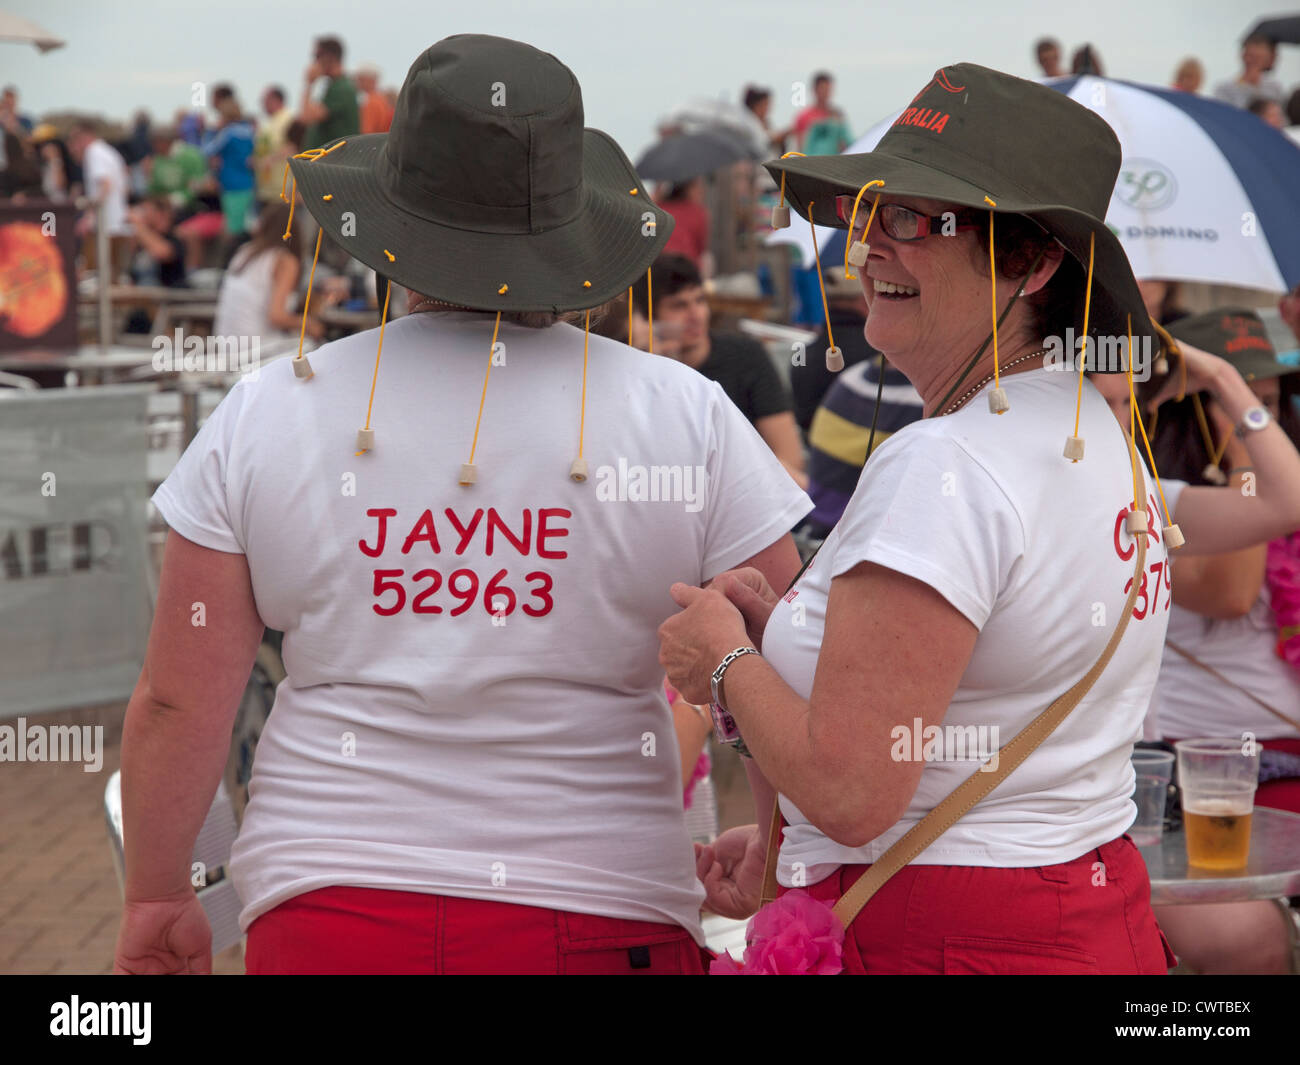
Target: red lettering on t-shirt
383, 514
465, 533
422, 530
1119, 524
543, 531
495, 522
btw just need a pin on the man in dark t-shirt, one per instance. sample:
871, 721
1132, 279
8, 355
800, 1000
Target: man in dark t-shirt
153, 221
739, 364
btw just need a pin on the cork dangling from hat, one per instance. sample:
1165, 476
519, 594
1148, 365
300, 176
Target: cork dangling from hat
488, 194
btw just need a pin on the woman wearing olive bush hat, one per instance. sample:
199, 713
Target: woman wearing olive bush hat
465, 523
1232, 651
967, 641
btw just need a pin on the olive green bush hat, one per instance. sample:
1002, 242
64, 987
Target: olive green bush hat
980, 138
487, 192
1238, 335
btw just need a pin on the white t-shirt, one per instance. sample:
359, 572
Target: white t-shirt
1031, 549
522, 755
244, 304
1189, 702
103, 162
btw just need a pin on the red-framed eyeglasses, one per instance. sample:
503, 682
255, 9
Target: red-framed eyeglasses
903, 224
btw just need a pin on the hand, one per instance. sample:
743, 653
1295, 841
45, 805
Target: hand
313, 72
164, 936
335, 289
731, 870
749, 592
690, 642
1205, 373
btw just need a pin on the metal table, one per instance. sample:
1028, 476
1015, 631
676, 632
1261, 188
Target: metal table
1272, 871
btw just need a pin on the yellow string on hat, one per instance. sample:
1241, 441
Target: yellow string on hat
366, 435
998, 403
787, 155
1171, 345
834, 359
1173, 535
312, 154
649, 309
578, 470
301, 366
468, 472
781, 213
1074, 443
1215, 453
1132, 418
848, 244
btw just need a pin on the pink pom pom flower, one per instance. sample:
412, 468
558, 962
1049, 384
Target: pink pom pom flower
796, 935
1283, 574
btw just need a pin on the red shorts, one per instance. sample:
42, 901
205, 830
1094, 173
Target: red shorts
367, 930
1091, 915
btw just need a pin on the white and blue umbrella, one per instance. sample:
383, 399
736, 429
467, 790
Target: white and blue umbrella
1206, 192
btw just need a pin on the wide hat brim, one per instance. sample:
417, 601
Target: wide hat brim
1116, 297
1237, 335
608, 242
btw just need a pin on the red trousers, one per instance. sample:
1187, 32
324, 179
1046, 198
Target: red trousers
368, 930
1091, 915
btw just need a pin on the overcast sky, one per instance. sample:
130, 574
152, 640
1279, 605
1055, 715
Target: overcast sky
635, 61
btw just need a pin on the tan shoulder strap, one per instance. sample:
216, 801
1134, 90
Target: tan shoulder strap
1231, 683
979, 783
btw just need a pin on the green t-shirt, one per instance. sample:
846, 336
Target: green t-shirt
174, 174
344, 118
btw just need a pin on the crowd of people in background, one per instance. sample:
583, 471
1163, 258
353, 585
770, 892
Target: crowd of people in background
207, 193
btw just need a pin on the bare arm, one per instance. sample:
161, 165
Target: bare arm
284, 280
1219, 586
692, 732
1215, 520
781, 433
162, 250
830, 754
179, 720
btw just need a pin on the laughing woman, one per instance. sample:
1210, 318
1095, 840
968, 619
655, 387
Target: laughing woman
977, 573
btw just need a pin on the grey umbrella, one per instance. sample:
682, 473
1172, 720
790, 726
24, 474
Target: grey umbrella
1284, 29
687, 155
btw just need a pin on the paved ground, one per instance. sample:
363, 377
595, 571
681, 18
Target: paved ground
59, 894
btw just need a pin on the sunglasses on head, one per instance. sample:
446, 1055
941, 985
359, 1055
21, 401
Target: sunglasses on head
902, 223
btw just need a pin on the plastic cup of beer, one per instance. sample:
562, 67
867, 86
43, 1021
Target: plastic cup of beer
1218, 778
1152, 771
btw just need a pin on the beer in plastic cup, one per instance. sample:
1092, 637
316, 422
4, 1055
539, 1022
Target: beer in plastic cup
1218, 780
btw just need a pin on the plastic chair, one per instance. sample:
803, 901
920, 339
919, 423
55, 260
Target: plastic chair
211, 861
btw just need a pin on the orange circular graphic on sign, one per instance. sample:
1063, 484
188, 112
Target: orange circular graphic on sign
33, 291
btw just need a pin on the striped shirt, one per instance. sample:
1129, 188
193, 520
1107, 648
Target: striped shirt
841, 429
